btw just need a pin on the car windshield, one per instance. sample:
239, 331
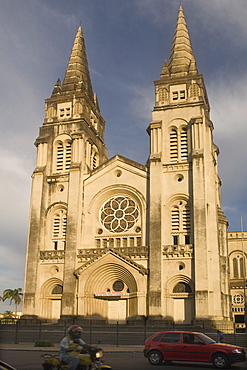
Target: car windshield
206, 338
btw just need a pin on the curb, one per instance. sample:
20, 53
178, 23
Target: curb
106, 349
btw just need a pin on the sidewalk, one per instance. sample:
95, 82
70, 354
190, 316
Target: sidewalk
107, 348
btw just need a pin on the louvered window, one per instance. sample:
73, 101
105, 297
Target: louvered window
94, 161
173, 146
68, 156
186, 219
64, 226
60, 157
180, 223
178, 145
56, 226
175, 219
63, 156
59, 229
184, 145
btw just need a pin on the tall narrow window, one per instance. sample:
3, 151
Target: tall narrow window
184, 144
186, 219
60, 157
241, 267
68, 156
94, 161
187, 239
238, 267
175, 219
235, 268
63, 155
64, 226
178, 145
180, 223
56, 226
173, 145
59, 229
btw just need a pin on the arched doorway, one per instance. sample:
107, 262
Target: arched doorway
51, 298
114, 293
57, 292
181, 293
182, 303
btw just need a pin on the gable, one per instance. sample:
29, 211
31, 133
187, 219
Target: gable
109, 255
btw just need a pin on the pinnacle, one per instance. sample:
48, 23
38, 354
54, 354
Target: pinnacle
77, 75
182, 60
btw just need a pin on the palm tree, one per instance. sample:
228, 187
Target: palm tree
14, 295
7, 314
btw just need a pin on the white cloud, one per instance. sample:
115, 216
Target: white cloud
228, 111
230, 14
228, 98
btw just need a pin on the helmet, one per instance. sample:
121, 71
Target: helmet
74, 328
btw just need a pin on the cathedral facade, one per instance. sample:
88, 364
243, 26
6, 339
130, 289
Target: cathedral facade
116, 240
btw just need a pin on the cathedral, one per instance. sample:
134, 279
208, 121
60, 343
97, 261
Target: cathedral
114, 240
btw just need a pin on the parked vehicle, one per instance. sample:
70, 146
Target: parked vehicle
191, 346
95, 357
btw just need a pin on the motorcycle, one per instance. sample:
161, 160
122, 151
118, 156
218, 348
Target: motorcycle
92, 359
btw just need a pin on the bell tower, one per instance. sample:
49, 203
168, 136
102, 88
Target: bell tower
70, 145
188, 230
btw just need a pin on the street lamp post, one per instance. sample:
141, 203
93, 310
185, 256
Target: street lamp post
244, 274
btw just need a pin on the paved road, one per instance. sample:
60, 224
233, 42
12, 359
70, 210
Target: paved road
31, 360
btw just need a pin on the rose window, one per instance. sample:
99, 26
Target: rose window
238, 299
119, 214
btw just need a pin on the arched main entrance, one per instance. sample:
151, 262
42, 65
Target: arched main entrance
112, 289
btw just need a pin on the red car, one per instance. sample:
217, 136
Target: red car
191, 346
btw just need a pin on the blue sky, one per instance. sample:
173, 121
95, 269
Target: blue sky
127, 42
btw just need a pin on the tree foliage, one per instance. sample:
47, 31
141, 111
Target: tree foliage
13, 295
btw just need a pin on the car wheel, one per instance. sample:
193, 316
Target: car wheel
155, 358
220, 361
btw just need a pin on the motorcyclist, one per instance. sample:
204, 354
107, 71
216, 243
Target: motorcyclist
70, 348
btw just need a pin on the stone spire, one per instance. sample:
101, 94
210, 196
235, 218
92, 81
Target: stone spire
182, 60
77, 77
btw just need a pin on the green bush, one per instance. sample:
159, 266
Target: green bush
43, 343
